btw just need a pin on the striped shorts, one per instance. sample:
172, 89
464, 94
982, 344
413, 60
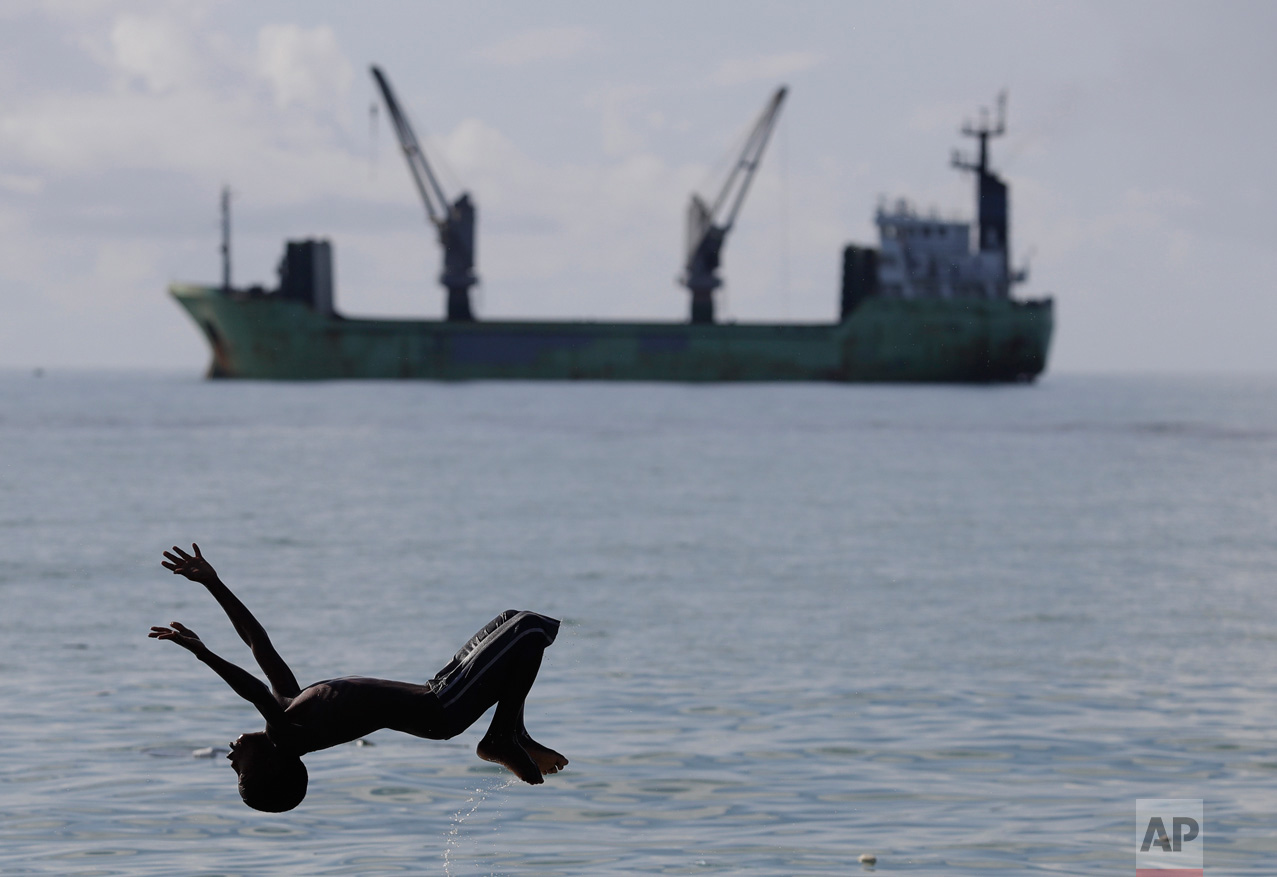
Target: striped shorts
460, 686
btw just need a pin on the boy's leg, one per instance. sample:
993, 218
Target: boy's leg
498, 666
503, 743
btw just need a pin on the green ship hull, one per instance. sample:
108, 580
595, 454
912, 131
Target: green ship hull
883, 339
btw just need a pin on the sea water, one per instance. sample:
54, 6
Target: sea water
962, 629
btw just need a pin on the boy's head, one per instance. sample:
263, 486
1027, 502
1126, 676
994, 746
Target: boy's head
269, 779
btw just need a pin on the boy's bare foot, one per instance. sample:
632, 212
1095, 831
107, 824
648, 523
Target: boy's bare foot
547, 760
506, 752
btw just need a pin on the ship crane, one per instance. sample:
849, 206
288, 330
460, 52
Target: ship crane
708, 225
454, 221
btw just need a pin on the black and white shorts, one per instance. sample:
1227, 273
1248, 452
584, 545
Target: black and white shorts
464, 687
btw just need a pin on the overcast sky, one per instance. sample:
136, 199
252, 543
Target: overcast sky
1139, 154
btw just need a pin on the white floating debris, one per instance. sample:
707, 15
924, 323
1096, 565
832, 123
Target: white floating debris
868, 859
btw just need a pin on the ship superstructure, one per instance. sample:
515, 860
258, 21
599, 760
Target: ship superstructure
925, 257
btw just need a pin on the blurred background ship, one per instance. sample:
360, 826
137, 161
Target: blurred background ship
927, 304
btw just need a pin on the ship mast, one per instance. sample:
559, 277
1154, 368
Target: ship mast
992, 203
706, 231
226, 238
454, 221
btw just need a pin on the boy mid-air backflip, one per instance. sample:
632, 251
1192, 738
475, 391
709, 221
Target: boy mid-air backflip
497, 666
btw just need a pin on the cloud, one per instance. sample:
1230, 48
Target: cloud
108, 190
154, 51
764, 67
623, 121
540, 44
23, 184
304, 67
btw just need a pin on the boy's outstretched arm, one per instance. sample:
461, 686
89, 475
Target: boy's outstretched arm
197, 569
245, 684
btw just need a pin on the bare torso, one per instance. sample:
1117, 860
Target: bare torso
338, 711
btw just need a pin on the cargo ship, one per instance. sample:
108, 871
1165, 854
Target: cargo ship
927, 304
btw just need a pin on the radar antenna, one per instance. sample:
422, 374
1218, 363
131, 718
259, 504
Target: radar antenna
993, 209
983, 131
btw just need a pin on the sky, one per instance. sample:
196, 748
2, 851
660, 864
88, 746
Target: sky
1137, 151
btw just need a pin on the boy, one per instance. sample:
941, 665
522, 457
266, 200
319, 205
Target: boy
497, 666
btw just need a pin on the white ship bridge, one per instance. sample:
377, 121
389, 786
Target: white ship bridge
924, 256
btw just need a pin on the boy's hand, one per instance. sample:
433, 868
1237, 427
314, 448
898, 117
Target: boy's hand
195, 568
180, 634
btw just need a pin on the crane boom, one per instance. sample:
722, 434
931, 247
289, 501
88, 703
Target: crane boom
454, 222
706, 231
